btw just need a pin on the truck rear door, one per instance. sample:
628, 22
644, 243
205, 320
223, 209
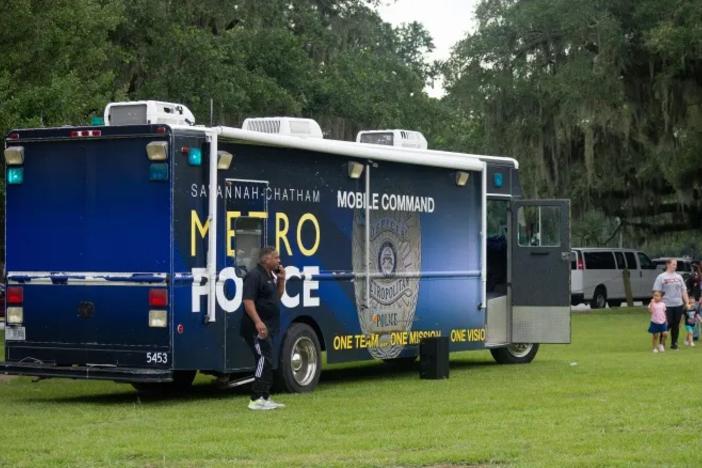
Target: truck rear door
88, 235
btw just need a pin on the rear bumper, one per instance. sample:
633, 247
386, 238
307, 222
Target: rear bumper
119, 374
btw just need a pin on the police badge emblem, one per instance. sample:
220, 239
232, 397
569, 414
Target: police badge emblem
389, 305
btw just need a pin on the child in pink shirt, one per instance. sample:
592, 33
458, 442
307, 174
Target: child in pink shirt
659, 326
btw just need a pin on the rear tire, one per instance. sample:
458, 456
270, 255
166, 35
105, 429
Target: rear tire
515, 353
182, 381
300, 359
599, 299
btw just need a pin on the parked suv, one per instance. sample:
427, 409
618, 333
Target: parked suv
597, 276
685, 265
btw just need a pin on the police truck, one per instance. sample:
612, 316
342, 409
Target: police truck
127, 244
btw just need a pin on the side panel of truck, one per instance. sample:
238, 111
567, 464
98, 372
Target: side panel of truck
424, 253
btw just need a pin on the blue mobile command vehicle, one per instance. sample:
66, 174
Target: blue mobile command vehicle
127, 244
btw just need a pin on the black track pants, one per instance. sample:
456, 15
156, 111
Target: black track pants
674, 314
263, 352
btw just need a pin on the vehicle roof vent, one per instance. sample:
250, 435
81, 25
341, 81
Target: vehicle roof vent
147, 112
290, 126
400, 138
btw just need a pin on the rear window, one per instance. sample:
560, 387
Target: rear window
599, 261
576, 256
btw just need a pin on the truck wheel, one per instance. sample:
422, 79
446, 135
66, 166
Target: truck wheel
599, 299
300, 359
182, 381
515, 353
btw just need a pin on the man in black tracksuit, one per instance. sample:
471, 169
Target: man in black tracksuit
262, 292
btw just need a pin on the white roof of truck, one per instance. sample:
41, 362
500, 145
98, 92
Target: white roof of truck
445, 159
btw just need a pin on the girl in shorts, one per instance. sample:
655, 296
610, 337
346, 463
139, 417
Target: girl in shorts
659, 326
692, 316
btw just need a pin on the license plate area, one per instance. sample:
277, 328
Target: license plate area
15, 334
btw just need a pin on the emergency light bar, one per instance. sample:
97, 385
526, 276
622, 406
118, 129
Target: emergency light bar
147, 112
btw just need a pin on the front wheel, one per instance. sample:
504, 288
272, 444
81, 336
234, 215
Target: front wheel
516, 353
300, 359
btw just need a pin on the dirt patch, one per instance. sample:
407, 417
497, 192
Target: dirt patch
6, 378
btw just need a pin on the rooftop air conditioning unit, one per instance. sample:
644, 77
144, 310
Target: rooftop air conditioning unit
400, 138
147, 112
289, 126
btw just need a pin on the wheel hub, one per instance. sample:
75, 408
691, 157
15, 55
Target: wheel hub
520, 350
303, 361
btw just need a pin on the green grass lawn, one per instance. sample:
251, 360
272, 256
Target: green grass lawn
603, 400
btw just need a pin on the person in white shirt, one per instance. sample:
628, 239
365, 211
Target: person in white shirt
674, 296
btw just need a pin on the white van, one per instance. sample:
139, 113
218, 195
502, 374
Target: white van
597, 276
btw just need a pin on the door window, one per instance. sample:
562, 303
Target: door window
248, 240
630, 261
620, 260
539, 226
646, 263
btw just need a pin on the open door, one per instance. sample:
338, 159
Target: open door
540, 271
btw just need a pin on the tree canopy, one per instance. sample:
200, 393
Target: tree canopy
336, 61
600, 100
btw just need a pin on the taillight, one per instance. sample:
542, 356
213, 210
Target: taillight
15, 295
580, 264
14, 314
158, 297
84, 133
13, 136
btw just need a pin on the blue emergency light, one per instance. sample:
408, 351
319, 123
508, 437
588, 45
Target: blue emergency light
498, 179
195, 157
15, 175
158, 171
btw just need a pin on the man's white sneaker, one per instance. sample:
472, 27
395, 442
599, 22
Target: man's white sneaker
687, 344
260, 404
655, 350
692, 343
275, 404
661, 348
